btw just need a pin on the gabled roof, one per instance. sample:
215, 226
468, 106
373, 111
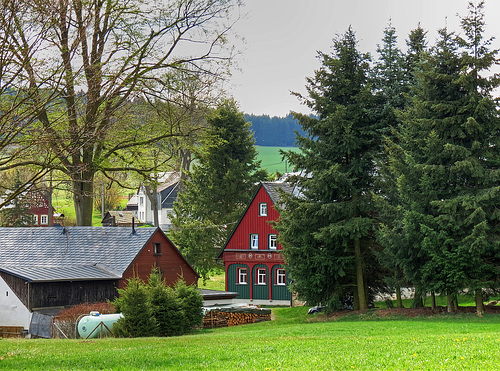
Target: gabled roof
272, 189
173, 178
70, 253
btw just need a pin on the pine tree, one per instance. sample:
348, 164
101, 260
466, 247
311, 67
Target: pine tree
328, 233
218, 188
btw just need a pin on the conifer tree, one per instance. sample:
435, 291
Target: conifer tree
217, 190
446, 168
135, 305
328, 232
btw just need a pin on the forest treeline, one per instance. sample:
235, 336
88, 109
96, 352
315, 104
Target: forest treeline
274, 131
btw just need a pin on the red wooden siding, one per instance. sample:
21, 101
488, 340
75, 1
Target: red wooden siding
171, 263
253, 223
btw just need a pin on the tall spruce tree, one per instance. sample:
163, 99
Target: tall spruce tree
217, 190
417, 46
389, 76
328, 232
446, 168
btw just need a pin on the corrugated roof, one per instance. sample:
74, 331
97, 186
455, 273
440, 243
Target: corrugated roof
70, 253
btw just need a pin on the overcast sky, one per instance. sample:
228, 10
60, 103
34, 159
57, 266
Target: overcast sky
283, 37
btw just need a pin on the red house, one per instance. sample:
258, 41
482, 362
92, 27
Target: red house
252, 258
39, 208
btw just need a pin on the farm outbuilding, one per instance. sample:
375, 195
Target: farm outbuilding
46, 269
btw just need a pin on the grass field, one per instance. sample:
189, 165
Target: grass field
271, 159
293, 341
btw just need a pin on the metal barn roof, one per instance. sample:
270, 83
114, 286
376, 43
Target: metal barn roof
70, 253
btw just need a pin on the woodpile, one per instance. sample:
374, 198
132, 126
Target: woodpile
235, 316
11, 332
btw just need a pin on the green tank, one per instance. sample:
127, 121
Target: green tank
91, 326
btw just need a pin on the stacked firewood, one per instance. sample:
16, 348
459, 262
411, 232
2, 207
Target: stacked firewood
235, 316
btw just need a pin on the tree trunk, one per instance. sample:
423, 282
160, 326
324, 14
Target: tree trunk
399, 300
433, 300
479, 302
83, 192
355, 299
360, 282
450, 303
417, 299
152, 195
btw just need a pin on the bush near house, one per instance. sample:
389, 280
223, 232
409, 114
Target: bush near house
155, 309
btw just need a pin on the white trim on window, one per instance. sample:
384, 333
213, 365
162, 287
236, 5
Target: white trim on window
261, 276
35, 219
254, 241
242, 276
263, 209
280, 277
272, 242
44, 219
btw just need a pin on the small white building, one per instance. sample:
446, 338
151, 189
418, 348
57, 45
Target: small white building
167, 194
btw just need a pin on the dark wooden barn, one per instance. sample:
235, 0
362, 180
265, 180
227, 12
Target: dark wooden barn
49, 268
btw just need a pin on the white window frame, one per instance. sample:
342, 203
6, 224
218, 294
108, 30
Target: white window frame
44, 219
272, 241
280, 276
254, 241
35, 219
263, 209
261, 276
242, 276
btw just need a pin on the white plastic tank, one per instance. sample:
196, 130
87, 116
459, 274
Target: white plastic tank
91, 326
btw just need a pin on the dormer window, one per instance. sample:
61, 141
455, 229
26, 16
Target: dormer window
263, 209
157, 248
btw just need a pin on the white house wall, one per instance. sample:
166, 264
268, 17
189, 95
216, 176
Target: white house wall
12, 310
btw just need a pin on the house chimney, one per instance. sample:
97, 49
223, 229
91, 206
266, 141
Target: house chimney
133, 226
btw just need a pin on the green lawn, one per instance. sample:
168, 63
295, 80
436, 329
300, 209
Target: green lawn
293, 341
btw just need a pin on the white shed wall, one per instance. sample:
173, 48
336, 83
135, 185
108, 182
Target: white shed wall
12, 310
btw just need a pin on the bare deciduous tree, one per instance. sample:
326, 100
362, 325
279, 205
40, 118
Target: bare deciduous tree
93, 59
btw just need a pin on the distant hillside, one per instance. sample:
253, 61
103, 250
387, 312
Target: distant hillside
274, 131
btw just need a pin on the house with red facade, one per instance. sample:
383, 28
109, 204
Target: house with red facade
252, 255
39, 208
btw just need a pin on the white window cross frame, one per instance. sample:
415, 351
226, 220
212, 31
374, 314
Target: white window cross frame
254, 241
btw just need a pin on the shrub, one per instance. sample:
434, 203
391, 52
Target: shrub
191, 303
156, 309
135, 305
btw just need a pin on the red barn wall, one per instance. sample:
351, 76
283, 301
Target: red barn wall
171, 263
